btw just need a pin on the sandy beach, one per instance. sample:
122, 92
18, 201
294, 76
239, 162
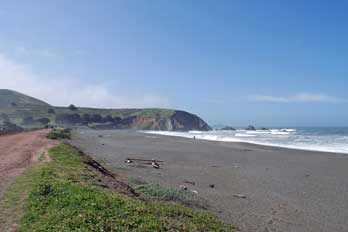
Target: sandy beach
285, 190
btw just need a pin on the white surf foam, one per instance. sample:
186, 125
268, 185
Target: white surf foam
195, 132
258, 132
275, 137
280, 133
289, 130
244, 135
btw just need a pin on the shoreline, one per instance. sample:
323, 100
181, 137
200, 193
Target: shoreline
285, 189
253, 143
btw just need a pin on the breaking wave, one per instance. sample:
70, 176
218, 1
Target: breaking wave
314, 139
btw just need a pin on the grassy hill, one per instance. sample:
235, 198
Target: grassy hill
9, 97
30, 112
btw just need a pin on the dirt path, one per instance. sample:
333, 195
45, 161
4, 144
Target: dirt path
18, 151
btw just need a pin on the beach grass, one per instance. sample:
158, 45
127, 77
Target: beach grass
160, 193
65, 195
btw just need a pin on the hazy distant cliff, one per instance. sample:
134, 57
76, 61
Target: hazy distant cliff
178, 121
27, 111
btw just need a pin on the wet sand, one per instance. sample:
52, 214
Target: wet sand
286, 190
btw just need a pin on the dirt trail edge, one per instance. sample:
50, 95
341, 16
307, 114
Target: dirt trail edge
18, 151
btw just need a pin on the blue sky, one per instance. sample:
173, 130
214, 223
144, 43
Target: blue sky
268, 63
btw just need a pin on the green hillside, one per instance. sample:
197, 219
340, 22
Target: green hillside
9, 98
30, 112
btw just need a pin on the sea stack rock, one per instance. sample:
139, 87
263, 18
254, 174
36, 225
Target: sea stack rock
250, 127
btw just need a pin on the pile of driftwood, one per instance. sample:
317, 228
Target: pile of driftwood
154, 163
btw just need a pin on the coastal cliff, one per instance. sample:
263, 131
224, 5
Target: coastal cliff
178, 121
30, 112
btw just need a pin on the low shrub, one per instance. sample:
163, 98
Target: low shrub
60, 133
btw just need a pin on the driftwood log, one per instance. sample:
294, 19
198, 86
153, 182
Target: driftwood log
144, 160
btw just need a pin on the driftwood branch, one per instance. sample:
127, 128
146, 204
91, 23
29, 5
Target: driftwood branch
145, 160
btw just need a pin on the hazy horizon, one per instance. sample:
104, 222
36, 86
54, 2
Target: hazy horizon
283, 63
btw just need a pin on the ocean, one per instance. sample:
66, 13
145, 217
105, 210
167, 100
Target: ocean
325, 139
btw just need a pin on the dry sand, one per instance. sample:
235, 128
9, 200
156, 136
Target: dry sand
286, 190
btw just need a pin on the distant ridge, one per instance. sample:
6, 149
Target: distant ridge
10, 97
27, 111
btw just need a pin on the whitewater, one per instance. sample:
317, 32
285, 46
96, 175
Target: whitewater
313, 139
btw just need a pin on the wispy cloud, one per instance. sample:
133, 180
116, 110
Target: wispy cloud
300, 97
64, 90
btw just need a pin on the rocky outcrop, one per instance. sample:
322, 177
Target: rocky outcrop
179, 121
251, 128
184, 121
147, 123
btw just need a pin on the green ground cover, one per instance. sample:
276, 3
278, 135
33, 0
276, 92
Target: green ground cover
65, 195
